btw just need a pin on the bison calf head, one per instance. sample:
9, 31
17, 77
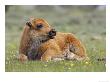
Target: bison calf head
39, 28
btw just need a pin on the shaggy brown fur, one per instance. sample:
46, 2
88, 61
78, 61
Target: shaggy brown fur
40, 41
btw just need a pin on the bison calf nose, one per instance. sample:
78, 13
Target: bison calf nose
52, 33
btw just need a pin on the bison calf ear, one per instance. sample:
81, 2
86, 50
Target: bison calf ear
29, 24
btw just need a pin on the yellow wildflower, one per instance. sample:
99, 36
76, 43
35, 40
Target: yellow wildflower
86, 62
71, 65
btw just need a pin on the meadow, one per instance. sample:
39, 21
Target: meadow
88, 24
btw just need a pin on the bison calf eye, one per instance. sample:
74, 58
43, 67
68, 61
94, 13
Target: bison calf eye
38, 26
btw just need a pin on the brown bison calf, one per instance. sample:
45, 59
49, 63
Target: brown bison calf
40, 41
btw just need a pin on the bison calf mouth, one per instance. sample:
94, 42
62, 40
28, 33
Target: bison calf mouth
52, 33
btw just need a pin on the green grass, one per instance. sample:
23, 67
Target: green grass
88, 26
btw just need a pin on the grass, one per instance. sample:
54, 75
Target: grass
88, 26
